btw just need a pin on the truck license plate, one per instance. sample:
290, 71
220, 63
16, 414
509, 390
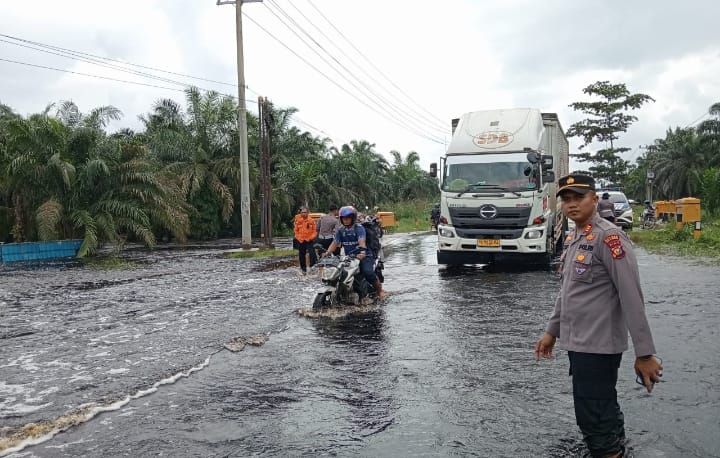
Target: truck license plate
489, 243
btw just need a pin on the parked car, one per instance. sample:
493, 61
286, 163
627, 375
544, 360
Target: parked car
623, 210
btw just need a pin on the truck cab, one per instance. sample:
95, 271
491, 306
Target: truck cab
498, 182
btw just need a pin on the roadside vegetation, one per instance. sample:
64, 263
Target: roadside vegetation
64, 175
685, 163
411, 215
668, 240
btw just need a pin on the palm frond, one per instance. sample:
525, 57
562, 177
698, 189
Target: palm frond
47, 217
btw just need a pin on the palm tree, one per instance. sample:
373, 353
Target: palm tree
37, 166
408, 180
709, 131
199, 149
679, 161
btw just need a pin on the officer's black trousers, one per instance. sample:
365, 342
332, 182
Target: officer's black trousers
596, 408
303, 248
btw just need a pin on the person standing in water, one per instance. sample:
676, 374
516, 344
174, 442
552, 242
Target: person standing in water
600, 300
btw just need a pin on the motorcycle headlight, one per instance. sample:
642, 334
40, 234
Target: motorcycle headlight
533, 234
330, 273
446, 233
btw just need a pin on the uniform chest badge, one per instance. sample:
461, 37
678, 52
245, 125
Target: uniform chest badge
590, 237
580, 257
580, 268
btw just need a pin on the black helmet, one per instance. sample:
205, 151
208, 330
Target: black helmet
350, 212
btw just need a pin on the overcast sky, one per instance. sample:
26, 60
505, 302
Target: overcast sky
449, 57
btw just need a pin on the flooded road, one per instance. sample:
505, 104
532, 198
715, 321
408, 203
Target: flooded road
132, 362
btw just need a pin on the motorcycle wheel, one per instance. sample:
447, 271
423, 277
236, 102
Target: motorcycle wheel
322, 300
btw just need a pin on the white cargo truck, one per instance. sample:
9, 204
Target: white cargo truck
498, 182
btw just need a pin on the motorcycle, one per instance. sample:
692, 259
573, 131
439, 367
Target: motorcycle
344, 282
434, 219
649, 220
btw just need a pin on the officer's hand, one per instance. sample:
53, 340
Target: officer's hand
544, 346
360, 256
649, 370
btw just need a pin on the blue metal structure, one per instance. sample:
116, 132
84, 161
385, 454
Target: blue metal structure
39, 251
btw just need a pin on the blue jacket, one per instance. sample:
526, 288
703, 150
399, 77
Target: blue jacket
349, 239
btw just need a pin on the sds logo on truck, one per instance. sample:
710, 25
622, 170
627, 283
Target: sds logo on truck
493, 139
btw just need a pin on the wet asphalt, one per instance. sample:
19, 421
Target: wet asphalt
443, 368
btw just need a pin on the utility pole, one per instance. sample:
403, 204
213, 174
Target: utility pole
266, 123
650, 179
242, 124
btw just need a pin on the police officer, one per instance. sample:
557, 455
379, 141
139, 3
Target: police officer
600, 300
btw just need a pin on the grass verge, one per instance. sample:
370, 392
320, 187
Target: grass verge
667, 240
261, 254
411, 215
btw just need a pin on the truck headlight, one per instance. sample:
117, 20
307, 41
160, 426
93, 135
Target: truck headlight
446, 233
533, 234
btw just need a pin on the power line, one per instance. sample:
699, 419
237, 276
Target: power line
101, 61
74, 55
71, 56
90, 75
399, 121
698, 119
407, 117
308, 63
27, 64
371, 63
362, 68
86, 54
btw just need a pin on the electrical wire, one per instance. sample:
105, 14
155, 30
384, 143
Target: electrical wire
95, 56
407, 117
371, 63
363, 69
331, 80
102, 61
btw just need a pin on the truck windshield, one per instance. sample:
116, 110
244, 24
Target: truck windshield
504, 170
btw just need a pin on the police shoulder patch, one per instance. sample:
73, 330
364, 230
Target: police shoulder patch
614, 243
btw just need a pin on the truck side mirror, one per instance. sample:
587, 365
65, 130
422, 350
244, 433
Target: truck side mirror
533, 157
547, 161
433, 170
548, 177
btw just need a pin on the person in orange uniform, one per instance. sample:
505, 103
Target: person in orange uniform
305, 234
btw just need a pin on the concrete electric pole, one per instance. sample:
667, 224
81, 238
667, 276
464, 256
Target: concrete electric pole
242, 123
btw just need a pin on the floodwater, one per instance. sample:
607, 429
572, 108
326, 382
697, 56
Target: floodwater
133, 362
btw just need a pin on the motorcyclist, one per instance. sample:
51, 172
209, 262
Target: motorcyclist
434, 216
649, 212
351, 236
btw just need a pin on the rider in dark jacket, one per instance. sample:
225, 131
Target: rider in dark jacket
605, 208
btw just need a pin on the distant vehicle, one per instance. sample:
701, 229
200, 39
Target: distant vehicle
497, 188
623, 210
648, 219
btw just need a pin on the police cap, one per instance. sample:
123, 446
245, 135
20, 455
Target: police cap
576, 182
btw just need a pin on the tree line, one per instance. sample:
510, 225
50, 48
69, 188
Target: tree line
686, 162
64, 175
